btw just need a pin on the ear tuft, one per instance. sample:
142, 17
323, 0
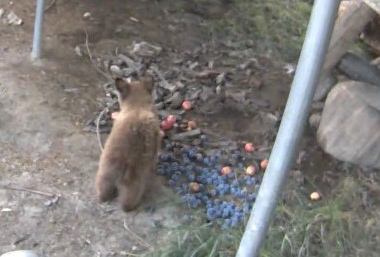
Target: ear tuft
147, 82
122, 87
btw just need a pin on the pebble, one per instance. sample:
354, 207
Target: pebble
87, 15
114, 69
78, 51
220, 78
145, 49
127, 72
175, 100
314, 120
13, 19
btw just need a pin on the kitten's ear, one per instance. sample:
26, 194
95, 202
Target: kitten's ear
122, 87
147, 82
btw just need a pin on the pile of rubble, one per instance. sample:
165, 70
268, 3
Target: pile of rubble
189, 76
220, 177
348, 128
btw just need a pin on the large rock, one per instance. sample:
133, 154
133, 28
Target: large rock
349, 128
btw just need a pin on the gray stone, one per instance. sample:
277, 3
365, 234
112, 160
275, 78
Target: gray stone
175, 100
359, 69
349, 128
127, 72
314, 120
116, 70
184, 135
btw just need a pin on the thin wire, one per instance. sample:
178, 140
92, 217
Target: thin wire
97, 128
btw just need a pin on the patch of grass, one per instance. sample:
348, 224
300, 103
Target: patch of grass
336, 226
204, 240
276, 26
346, 223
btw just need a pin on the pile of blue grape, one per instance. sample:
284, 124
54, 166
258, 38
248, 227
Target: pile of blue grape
216, 180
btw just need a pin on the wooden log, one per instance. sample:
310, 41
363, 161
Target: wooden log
347, 27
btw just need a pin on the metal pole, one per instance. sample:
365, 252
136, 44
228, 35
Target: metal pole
36, 51
313, 53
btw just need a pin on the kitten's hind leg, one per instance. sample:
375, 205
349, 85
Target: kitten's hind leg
130, 193
106, 189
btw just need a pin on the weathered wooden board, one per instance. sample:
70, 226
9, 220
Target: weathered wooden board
348, 26
374, 4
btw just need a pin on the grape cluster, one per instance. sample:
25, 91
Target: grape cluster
214, 180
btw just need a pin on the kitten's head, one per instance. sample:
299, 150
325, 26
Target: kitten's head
135, 93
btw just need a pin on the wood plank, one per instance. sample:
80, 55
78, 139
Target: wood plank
348, 26
374, 4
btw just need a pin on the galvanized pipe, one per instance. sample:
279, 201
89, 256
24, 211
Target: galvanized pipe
313, 53
37, 36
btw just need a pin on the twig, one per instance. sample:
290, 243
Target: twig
141, 241
107, 77
97, 128
53, 2
92, 59
29, 190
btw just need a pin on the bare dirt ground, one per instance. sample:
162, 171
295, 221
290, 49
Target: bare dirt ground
43, 110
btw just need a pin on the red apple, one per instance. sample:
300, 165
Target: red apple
226, 170
264, 164
186, 105
165, 125
171, 119
248, 147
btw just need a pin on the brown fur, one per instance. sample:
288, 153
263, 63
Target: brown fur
128, 162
